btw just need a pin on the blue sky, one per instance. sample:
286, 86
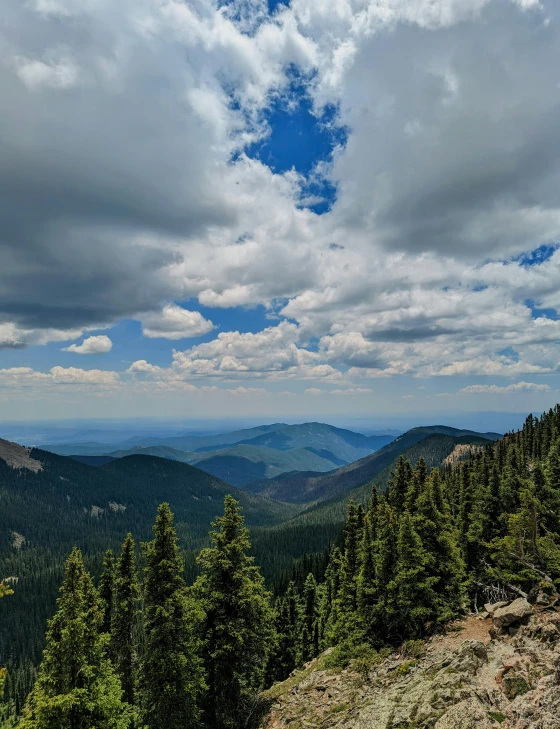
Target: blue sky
259, 207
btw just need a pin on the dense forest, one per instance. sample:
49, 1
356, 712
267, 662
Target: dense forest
144, 649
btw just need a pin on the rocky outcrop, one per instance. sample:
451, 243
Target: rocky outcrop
465, 680
512, 614
16, 456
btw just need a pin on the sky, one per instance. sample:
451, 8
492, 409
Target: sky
346, 207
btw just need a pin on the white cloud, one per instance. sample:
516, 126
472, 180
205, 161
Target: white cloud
99, 344
174, 322
14, 337
59, 74
447, 164
498, 390
26, 376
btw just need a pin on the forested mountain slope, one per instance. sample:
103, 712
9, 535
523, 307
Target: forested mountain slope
51, 503
481, 530
302, 487
322, 523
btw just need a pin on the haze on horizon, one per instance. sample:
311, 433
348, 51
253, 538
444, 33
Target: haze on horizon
226, 209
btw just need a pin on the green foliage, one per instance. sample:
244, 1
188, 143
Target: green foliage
238, 625
106, 590
77, 687
347, 651
170, 681
125, 615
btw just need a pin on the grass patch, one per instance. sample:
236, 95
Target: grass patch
497, 716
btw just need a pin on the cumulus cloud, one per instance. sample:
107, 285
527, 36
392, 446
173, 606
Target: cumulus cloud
174, 322
26, 376
99, 344
129, 185
497, 390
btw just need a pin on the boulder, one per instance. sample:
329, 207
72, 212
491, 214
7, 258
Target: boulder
512, 614
467, 714
491, 607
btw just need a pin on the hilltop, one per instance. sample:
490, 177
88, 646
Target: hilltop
470, 677
306, 487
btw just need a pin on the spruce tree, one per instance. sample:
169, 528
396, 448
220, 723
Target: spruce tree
350, 562
309, 647
77, 687
385, 561
125, 619
170, 680
398, 484
366, 592
412, 602
432, 520
106, 590
238, 629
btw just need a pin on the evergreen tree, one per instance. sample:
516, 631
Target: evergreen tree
385, 561
309, 634
366, 593
413, 601
238, 629
77, 687
350, 562
106, 590
125, 619
434, 525
282, 659
399, 484
170, 681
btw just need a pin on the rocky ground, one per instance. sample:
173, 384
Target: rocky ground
17, 456
497, 669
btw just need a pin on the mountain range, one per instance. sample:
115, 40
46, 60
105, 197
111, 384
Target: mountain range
52, 502
252, 454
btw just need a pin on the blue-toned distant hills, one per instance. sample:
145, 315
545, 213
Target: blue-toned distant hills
243, 456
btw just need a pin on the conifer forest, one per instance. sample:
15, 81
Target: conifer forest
139, 639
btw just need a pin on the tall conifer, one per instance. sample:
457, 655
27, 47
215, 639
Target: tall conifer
170, 679
77, 687
123, 649
106, 590
238, 628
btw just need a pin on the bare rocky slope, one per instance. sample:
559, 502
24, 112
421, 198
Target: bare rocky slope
485, 672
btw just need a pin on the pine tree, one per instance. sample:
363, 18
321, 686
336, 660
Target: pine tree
398, 484
238, 629
385, 562
350, 562
282, 659
125, 619
434, 525
413, 601
106, 590
170, 681
366, 592
309, 647
77, 687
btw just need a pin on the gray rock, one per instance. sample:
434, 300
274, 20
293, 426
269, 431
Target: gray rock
491, 607
511, 614
467, 714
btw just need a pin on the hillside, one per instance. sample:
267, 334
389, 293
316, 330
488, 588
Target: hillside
244, 463
51, 503
320, 524
469, 677
306, 487
254, 454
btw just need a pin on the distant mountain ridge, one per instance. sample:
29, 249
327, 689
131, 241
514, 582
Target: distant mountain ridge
248, 455
306, 487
